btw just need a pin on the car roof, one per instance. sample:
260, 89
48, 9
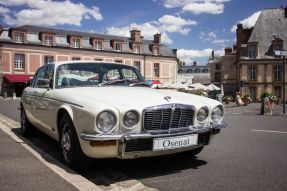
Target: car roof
85, 61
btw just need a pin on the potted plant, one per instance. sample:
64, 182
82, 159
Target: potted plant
227, 99
246, 99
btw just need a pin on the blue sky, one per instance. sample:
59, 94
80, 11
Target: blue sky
194, 27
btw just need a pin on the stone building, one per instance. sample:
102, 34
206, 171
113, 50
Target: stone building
251, 66
194, 74
25, 48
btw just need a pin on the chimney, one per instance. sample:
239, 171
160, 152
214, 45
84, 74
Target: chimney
212, 55
194, 63
157, 38
228, 50
136, 35
285, 12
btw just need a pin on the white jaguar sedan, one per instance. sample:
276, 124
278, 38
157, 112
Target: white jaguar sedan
106, 110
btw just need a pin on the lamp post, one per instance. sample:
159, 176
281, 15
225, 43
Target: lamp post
282, 53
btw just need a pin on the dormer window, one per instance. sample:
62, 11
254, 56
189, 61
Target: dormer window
97, 43
277, 44
137, 48
76, 43
156, 51
252, 50
118, 46
19, 37
48, 40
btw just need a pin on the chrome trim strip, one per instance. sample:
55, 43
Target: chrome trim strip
144, 135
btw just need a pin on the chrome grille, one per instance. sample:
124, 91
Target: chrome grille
170, 116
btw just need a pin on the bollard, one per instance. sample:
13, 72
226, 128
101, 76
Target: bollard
5, 95
262, 107
14, 96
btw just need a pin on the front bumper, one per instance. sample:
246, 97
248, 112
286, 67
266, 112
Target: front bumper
131, 145
151, 134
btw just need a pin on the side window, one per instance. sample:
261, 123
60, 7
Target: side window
40, 75
49, 74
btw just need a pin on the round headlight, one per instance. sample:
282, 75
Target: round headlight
202, 114
106, 121
131, 118
217, 114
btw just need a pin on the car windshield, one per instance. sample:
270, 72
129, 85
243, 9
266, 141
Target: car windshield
97, 74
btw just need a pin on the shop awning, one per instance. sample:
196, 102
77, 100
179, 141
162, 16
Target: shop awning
13, 78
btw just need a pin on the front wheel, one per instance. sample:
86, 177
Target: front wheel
71, 152
26, 127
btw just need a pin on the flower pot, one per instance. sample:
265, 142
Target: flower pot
227, 101
246, 102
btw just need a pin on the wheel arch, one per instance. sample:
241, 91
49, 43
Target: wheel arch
61, 112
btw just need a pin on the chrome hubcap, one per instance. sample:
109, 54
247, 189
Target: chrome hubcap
66, 143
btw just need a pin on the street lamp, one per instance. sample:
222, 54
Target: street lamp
282, 53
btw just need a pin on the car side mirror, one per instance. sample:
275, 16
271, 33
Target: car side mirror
43, 83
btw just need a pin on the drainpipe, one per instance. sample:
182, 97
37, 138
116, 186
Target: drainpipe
144, 57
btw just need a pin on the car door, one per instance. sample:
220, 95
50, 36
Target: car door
30, 99
42, 102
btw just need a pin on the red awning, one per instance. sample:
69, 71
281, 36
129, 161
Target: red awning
13, 78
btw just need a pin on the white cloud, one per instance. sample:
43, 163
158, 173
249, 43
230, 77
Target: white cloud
49, 13
199, 8
219, 41
189, 55
4, 10
207, 36
164, 25
248, 22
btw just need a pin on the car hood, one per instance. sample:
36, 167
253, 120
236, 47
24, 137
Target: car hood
131, 97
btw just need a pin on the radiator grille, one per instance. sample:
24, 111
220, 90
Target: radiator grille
169, 116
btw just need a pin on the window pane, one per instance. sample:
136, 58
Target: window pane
19, 62
156, 70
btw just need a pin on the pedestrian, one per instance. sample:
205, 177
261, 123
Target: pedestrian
238, 99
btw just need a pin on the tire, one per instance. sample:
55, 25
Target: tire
26, 127
70, 149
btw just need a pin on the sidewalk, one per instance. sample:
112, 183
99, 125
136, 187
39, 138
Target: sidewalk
20, 170
253, 109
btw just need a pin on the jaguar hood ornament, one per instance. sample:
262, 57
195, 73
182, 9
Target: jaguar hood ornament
167, 98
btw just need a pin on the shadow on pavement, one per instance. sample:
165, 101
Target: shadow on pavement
104, 172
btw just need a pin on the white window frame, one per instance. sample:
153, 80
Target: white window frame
19, 61
137, 65
156, 70
118, 46
252, 73
98, 44
19, 37
252, 52
76, 42
48, 40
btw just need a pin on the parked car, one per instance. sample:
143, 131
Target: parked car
107, 110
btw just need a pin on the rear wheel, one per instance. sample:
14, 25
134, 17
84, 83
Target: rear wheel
71, 152
26, 127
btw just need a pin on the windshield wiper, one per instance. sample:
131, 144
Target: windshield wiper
113, 82
139, 84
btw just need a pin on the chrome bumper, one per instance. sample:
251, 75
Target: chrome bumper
151, 134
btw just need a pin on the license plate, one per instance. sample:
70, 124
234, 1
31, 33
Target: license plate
174, 142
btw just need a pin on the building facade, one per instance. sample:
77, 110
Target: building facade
251, 65
25, 48
194, 74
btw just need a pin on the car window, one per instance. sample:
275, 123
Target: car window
40, 75
49, 74
91, 74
